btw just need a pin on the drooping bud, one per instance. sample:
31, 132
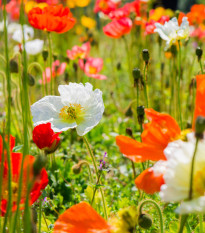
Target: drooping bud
45, 55
140, 114
31, 80
39, 163
199, 127
136, 75
76, 169
199, 53
145, 221
145, 56
13, 66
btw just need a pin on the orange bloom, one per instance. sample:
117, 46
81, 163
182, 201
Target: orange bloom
149, 182
51, 18
200, 96
156, 135
81, 218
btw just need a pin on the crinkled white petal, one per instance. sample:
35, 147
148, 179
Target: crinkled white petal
18, 34
34, 47
194, 206
159, 167
12, 27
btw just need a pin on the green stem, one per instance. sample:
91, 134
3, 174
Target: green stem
98, 180
179, 84
192, 171
201, 66
158, 209
145, 86
50, 61
8, 127
40, 214
201, 223
96, 171
183, 221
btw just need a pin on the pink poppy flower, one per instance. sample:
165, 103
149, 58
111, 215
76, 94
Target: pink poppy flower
57, 69
79, 51
92, 66
105, 6
119, 13
133, 7
118, 27
13, 8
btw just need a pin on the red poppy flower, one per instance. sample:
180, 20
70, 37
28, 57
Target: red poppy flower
118, 27
39, 183
105, 6
45, 138
13, 8
81, 218
200, 96
51, 18
156, 135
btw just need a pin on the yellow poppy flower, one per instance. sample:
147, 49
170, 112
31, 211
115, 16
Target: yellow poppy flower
88, 22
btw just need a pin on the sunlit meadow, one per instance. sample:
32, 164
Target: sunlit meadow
102, 117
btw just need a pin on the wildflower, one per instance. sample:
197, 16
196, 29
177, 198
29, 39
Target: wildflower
39, 182
92, 66
77, 3
18, 34
81, 218
45, 138
13, 8
156, 135
172, 32
79, 52
78, 106
57, 69
51, 18
118, 27
105, 6
88, 22
102, 162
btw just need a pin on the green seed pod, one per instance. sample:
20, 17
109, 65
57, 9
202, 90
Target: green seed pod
45, 55
76, 169
13, 66
145, 221
140, 114
199, 53
136, 75
199, 127
145, 55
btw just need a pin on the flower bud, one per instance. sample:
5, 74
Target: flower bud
145, 221
199, 127
45, 55
136, 75
173, 50
76, 169
39, 164
55, 57
13, 66
31, 80
145, 55
129, 132
140, 114
199, 53
119, 66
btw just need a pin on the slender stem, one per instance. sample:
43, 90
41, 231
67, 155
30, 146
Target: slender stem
192, 171
98, 180
96, 171
149, 201
8, 76
145, 86
40, 214
201, 66
183, 221
50, 61
133, 169
179, 84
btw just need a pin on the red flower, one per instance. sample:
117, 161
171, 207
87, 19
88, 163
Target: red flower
39, 183
105, 6
51, 18
118, 27
45, 138
81, 218
13, 8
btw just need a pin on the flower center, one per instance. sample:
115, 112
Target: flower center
72, 113
14, 187
103, 5
92, 70
199, 183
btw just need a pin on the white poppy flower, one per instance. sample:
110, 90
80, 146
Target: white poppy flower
172, 32
12, 27
28, 34
34, 47
179, 156
78, 106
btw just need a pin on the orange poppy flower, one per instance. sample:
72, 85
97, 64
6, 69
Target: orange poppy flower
51, 18
39, 182
81, 218
200, 96
156, 135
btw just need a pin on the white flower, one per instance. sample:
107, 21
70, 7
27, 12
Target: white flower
78, 106
172, 32
34, 47
179, 156
18, 34
12, 27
